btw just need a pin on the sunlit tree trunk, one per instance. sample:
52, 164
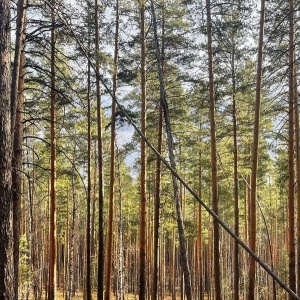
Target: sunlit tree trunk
109, 252
236, 184
143, 227
157, 199
199, 234
52, 234
156, 278
214, 170
101, 255
120, 244
71, 291
17, 101
254, 163
88, 287
20, 23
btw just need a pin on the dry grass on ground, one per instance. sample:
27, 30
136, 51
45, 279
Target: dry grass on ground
79, 296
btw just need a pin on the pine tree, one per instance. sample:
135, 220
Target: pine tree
6, 258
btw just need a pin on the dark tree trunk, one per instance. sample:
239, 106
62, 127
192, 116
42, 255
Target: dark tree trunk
6, 244
291, 193
52, 234
143, 227
109, 253
214, 168
101, 255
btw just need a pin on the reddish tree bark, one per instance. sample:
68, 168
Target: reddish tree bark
6, 246
253, 192
109, 252
17, 101
214, 167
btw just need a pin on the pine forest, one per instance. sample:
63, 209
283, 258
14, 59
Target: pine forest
149, 149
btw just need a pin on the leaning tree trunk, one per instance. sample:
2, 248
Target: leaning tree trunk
182, 240
6, 245
253, 192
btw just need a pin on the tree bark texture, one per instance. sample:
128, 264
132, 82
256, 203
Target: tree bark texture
101, 254
6, 244
297, 148
89, 189
254, 163
291, 192
156, 279
143, 217
109, 248
17, 103
214, 167
236, 185
52, 234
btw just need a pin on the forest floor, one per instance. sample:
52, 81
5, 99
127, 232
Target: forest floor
79, 296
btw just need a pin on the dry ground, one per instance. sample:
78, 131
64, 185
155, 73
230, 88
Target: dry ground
79, 296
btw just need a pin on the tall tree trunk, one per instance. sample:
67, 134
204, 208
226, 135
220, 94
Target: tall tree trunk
70, 292
236, 184
291, 193
142, 282
182, 240
120, 244
199, 233
253, 192
214, 167
155, 283
21, 15
6, 246
109, 253
100, 161
52, 234
156, 223
17, 99
297, 147
88, 287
